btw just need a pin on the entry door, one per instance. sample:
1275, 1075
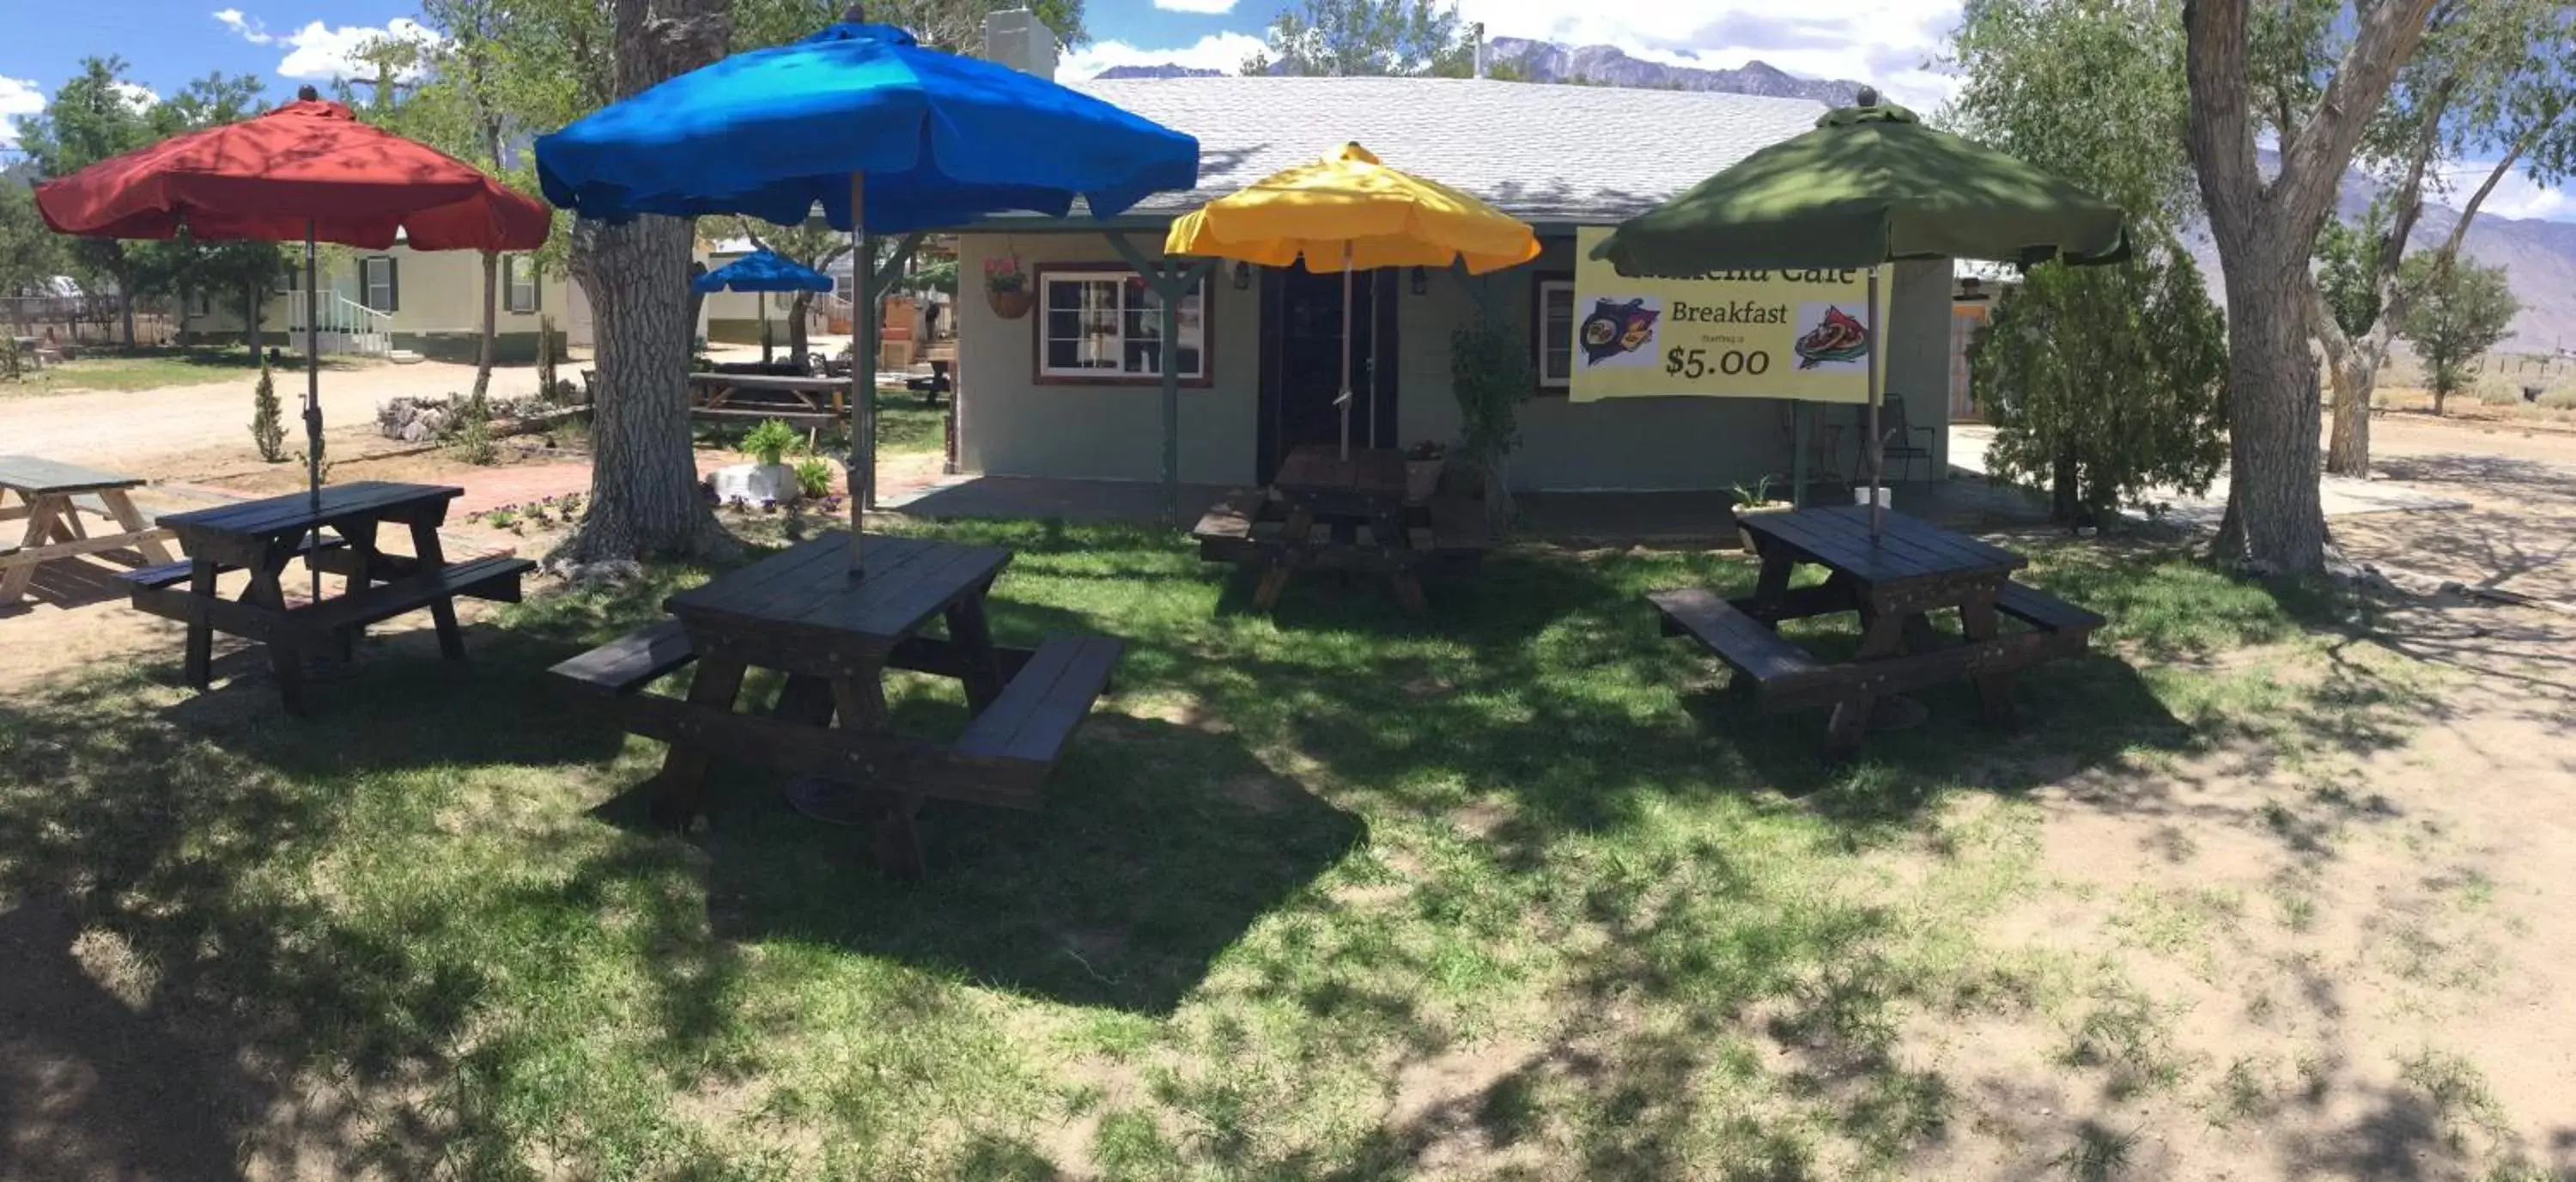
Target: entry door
1302, 349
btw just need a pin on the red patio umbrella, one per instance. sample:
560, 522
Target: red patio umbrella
306, 170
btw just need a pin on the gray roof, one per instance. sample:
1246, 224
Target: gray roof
1542, 153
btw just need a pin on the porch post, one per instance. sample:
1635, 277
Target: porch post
1171, 281
1801, 421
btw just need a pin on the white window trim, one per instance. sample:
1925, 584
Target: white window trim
1539, 315
367, 284
513, 266
1119, 278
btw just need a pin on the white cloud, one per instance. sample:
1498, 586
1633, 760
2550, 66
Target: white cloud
1882, 42
250, 30
2514, 197
1217, 51
318, 51
137, 95
1208, 7
19, 97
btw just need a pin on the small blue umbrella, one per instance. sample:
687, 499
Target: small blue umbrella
762, 270
860, 118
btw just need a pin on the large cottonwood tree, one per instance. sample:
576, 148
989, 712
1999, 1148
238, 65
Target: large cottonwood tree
2266, 228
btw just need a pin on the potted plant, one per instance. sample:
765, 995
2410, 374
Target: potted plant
1749, 501
767, 477
1422, 464
1006, 287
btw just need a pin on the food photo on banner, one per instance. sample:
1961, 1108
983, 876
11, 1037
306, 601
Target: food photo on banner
1799, 334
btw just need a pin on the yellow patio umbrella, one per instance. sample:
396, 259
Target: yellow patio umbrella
1349, 210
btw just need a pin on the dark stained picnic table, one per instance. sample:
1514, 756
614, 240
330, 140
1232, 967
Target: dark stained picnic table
1326, 511
52, 496
1893, 580
803, 613
265, 536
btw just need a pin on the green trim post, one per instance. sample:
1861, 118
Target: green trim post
1171, 281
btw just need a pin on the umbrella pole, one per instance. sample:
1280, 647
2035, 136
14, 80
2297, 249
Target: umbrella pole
1877, 446
863, 363
1346, 351
312, 395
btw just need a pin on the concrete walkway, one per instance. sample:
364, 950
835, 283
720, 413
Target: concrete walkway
2342, 496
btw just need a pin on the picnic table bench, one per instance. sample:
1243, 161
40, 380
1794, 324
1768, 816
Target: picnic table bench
1323, 512
265, 536
51, 497
802, 613
800, 401
1893, 581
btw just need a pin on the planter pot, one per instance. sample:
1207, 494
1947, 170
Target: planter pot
1421, 480
1011, 305
756, 483
1744, 536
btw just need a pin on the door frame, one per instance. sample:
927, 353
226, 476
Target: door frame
1386, 286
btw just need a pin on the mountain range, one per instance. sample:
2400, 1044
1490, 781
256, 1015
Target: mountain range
2540, 255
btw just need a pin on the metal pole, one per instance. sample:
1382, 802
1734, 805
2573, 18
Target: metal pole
863, 364
1171, 285
1345, 399
1877, 446
312, 397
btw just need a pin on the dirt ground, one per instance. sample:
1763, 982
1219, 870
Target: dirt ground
2355, 959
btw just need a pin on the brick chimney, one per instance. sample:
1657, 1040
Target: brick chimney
1018, 39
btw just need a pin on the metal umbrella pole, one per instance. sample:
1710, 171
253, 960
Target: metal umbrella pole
1345, 399
312, 400
1877, 446
863, 364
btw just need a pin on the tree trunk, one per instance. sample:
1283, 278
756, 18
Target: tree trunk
2355, 375
250, 318
644, 483
2440, 391
125, 308
697, 300
491, 324
2272, 411
797, 341
2063, 499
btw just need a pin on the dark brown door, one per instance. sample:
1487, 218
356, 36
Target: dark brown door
1302, 347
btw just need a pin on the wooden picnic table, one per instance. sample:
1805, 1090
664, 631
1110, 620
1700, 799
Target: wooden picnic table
1326, 512
818, 401
802, 613
265, 536
51, 497
1894, 581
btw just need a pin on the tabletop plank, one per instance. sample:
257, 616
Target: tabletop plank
1906, 547
293, 512
38, 475
1322, 469
903, 582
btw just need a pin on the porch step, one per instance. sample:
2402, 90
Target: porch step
403, 357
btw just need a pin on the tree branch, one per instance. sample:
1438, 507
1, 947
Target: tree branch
2219, 132
2312, 163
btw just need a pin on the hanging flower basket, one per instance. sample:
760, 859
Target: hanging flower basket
1006, 287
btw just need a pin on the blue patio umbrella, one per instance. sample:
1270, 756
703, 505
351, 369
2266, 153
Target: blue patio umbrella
762, 270
860, 118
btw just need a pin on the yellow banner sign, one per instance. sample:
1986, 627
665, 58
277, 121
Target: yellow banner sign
1734, 334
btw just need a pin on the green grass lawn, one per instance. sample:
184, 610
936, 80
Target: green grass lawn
1316, 897
143, 369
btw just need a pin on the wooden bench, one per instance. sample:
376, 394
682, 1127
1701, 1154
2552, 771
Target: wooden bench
1774, 668
171, 574
1043, 703
495, 578
2046, 612
630, 662
1252, 530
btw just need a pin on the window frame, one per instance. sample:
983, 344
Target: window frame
1081, 272
513, 266
393, 283
1540, 283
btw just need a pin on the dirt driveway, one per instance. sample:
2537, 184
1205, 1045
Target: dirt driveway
137, 430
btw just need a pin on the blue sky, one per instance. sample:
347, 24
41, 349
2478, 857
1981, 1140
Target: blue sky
286, 42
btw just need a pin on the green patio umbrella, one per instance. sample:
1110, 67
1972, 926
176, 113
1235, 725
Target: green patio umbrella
1870, 185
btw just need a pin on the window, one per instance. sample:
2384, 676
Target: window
1554, 315
1107, 324
518, 283
378, 276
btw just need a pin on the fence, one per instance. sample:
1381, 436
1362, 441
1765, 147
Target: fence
83, 320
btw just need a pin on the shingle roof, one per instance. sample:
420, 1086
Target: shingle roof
1542, 153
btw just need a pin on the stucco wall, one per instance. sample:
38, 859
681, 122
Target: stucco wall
1654, 443
1010, 424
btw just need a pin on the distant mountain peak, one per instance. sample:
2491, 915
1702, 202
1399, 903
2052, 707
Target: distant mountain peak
1608, 65
1164, 70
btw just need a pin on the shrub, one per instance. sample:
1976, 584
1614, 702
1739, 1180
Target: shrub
770, 441
473, 431
267, 418
1489, 373
10, 362
2498, 391
813, 478
2562, 398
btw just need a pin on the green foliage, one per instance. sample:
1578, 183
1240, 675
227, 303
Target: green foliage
1757, 493
2457, 310
770, 441
2104, 381
1349, 38
2091, 90
1489, 372
472, 430
937, 275
30, 253
2347, 263
953, 25
267, 418
814, 478
10, 362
